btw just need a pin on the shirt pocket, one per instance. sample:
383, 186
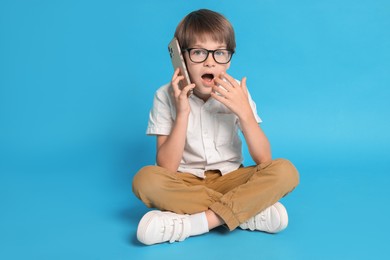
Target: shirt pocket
225, 129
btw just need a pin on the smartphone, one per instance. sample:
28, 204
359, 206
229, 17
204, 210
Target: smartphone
178, 62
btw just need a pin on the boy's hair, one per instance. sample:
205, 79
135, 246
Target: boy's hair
205, 23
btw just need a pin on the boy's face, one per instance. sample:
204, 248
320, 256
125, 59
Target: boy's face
203, 74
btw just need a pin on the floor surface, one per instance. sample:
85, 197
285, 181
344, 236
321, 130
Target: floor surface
92, 214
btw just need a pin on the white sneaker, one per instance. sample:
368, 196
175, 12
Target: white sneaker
158, 227
271, 220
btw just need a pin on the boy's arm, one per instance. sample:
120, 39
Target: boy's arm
257, 142
235, 97
170, 147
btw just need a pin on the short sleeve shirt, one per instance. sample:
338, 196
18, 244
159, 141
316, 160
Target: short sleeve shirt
212, 141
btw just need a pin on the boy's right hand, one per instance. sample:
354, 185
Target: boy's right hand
181, 95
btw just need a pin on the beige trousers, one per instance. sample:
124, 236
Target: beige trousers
235, 197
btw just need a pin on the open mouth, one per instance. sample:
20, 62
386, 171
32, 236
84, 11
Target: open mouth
208, 77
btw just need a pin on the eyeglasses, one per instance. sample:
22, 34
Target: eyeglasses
198, 55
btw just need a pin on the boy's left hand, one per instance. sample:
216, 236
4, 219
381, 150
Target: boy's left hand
233, 95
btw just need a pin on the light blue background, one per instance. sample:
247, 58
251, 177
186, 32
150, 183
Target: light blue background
77, 80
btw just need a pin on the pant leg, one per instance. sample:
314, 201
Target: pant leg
235, 197
181, 193
267, 185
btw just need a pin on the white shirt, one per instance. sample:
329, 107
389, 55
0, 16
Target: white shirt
212, 141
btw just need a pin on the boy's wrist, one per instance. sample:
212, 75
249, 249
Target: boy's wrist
182, 117
247, 118
183, 114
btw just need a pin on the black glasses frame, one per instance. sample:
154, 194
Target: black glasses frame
208, 52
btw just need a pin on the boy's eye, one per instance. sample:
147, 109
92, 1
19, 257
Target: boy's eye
199, 52
220, 52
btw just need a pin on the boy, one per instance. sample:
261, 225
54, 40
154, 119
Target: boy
199, 182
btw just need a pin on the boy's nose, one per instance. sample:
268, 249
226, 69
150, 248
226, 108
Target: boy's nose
210, 60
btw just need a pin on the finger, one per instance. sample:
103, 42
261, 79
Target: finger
243, 85
220, 90
219, 97
230, 79
177, 79
176, 73
226, 86
175, 86
187, 90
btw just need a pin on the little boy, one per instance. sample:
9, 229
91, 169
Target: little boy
199, 182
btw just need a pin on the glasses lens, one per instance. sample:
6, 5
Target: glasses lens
222, 56
198, 55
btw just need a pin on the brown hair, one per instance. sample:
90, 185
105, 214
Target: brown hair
205, 23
